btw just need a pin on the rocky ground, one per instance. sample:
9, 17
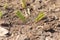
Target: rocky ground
46, 29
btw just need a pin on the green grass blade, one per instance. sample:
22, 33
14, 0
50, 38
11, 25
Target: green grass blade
5, 5
24, 3
40, 16
0, 14
21, 16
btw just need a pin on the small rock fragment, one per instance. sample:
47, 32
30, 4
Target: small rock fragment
28, 10
3, 31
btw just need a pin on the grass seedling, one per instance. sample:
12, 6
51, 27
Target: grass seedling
40, 16
5, 5
25, 7
21, 16
0, 14
24, 3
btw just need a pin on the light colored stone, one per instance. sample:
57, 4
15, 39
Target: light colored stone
3, 31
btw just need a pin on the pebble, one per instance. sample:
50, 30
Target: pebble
3, 31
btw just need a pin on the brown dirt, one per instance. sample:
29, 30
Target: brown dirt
46, 29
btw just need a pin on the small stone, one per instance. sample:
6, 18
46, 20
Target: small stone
56, 18
28, 10
3, 31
